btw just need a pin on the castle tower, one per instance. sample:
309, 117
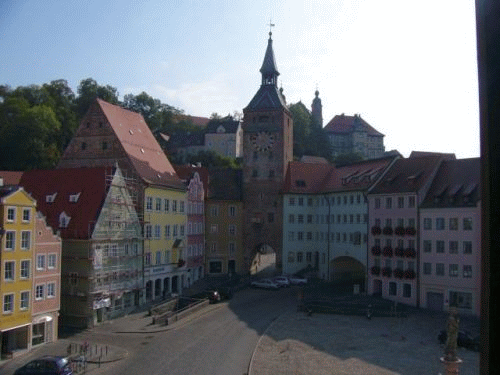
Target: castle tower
267, 150
317, 109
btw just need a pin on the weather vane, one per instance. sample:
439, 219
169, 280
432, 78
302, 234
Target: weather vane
270, 26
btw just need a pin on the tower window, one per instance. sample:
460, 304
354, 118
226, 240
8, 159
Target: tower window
84, 145
104, 145
255, 173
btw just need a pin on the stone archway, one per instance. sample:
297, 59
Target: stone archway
346, 271
263, 261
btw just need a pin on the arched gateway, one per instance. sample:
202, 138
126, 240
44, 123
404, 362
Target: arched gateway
263, 261
347, 272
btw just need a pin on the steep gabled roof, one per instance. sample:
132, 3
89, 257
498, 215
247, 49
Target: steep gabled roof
229, 125
267, 98
346, 124
457, 184
10, 177
144, 152
89, 184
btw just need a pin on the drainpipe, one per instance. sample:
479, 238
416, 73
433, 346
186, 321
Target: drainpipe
328, 238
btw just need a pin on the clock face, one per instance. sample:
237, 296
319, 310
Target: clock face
262, 141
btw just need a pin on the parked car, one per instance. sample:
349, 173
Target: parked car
464, 340
281, 281
47, 365
264, 283
297, 280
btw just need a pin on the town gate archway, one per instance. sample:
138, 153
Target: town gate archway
263, 261
345, 272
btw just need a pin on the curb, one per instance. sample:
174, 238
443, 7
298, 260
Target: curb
250, 365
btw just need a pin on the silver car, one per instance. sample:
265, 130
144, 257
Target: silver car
281, 281
265, 284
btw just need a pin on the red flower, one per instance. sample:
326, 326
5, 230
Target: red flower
409, 274
410, 231
376, 250
387, 231
375, 270
376, 230
388, 251
398, 273
410, 253
400, 231
387, 271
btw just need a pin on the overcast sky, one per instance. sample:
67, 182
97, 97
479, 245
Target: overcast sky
408, 67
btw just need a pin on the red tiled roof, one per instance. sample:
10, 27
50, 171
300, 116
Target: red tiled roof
316, 178
11, 177
144, 152
345, 124
89, 182
185, 172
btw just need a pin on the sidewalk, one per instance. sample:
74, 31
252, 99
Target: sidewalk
296, 343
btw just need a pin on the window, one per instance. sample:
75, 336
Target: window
309, 219
291, 236
232, 248
299, 257
427, 223
300, 219
25, 240
26, 215
461, 300
64, 220
393, 288
427, 246
401, 202
8, 303
11, 214
147, 259
175, 230
308, 257
291, 257
39, 292
301, 201
427, 268
467, 247
232, 230
215, 267
25, 300
182, 230
388, 202
148, 231
291, 201
453, 223
214, 228
467, 271
51, 290
40, 262
351, 199
232, 211
167, 231
166, 205
439, 246
9, 269
291, 218
440, 223
104, 145
182, 205
149, 203
158, 257
453, 247
309, 236
300, 236
439, 269
157, 232
407, 290
255, 173
10, 240
467, 223
270, 217
158, 204
25, 269
411, 202
174, 205
453, 270
345, 199
214, 210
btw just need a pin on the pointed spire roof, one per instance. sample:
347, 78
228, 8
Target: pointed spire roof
269, 64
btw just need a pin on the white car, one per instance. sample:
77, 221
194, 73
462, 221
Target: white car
297, 280
264, 283
281, 281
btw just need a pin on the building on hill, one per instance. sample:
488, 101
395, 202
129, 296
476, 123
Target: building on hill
394, 236
224, 223
196, 180
102, 257
109, 134
352, 134
317, 109
325, 218
450, 240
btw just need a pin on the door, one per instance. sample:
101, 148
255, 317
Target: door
435, 301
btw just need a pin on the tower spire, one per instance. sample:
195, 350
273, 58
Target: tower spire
269, 70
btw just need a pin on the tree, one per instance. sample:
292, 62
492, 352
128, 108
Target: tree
349, 158
88, 91
208, 159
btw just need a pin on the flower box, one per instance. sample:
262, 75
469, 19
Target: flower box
387, 251
387, 231
411, 231
400, 231
399, 273
181, 263
375, 270
410, 253
376, 231
387, 271
399, 252
409, 274
376, 250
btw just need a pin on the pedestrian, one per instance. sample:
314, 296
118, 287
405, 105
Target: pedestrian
369, 312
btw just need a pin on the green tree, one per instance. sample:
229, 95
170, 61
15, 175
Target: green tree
349, 158
89, 90
207, 159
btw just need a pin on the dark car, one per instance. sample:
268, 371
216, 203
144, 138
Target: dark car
47, 365
464, 340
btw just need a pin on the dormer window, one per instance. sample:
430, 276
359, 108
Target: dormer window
221, 129
50, 198
73, 198
64, 220
300, 183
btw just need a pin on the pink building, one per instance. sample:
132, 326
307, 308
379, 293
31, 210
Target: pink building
46, 283
393, 238
196, 180
450, 240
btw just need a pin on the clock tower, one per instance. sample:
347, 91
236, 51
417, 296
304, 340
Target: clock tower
267, 150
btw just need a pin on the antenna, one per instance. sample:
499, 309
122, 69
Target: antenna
271, 24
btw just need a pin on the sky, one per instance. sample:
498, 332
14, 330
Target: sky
409, 68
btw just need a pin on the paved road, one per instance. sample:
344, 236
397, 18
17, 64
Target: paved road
219, 342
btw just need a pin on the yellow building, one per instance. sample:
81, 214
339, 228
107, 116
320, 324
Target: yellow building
165, 217
17, 229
